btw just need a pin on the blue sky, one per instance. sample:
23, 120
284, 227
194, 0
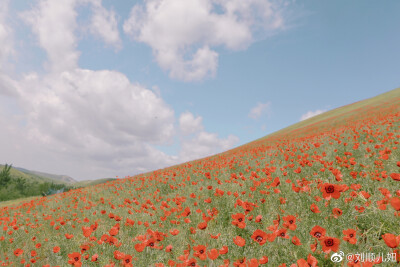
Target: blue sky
107, 88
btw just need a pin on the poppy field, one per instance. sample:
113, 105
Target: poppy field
321, 193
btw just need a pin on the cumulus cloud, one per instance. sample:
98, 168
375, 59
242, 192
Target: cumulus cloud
310, 114
203, 143
99, 117
181, 33
188, 124
6, 42
259, 110
6, 50
82, 106
93, 123
54, 23
105, 25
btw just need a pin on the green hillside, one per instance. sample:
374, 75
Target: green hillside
304, 196
55, 177
27, 183
31, 176
92, 182
331, 118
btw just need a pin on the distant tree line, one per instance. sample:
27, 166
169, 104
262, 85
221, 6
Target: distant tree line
13, 188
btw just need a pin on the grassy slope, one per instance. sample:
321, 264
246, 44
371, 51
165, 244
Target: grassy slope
16, 202
36, 176
61, 178
161, 196
31, 177
93, 182
336, 116
41, 177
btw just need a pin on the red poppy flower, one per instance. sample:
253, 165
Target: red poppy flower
395, 176
263, 260
314, 208
330, 190
56, 249
200, 252
113, 231
87, 231
95, 257
313, 246
174, 231
330, 244
282, 233
118, 255
239, 241
318, 232
252, 263
127, 259
191, 262
350, 236
69, 236
223, 250
290, 222
168, 248
395, 202
239, 220
202, 225
140, 247
213, 254
391, 240
74, 259
337, 212
296, 241
18, 252
302, 263
310, 262
259, 236
215, 236
240, 262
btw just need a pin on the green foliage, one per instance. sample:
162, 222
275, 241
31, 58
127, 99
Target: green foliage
5, 175
19, 187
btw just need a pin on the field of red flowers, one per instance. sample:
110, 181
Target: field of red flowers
324, 193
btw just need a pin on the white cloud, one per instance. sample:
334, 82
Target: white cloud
205, 144
82, 106
7, 85
188, 124
6, 40
310, 114
181, 33
92, 124
105, 25
99, 117
259, 110
54, 23
6, 50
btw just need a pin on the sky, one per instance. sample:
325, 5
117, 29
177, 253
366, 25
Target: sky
104, 88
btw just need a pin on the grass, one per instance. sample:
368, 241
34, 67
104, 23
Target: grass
16, 202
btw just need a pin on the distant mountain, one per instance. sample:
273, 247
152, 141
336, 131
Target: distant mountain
63, 178
39, 177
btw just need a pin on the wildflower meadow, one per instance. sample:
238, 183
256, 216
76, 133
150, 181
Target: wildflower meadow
323, 192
